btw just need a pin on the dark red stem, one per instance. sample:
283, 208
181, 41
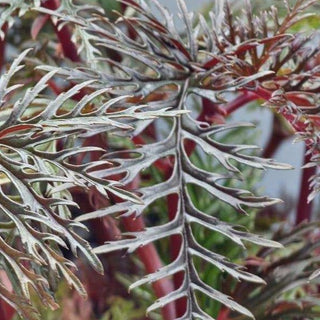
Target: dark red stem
151, 260
272, 146
68, 47
240, 101
6, 311
304, 208
278, 135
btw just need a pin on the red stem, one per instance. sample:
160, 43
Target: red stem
278, 135
223, 314
6, 311
304, 209
263, 93
272, 146
68, 47
151, 260
3, 313
240, 101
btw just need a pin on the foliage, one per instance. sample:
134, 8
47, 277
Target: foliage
288, 293
122, 129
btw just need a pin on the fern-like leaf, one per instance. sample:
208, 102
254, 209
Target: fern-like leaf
36, 178
160, 73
